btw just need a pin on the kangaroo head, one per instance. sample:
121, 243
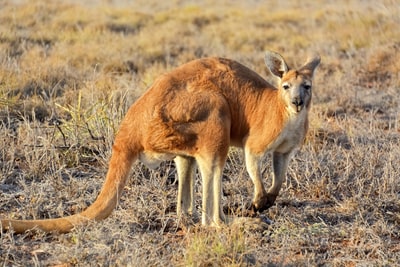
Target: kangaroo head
295, 86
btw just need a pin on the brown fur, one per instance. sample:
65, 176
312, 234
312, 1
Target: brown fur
194, 113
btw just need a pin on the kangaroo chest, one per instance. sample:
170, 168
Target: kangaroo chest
292, 134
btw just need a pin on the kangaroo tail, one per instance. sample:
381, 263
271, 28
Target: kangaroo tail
119, 168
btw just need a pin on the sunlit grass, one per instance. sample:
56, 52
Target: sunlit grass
70, 70
225, 247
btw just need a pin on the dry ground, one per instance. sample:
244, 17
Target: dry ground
68, 72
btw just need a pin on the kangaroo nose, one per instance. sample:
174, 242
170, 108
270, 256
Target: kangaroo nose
297, 101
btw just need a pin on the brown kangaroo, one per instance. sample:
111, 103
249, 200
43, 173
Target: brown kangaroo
192, 115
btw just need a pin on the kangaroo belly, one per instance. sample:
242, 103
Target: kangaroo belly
152, 159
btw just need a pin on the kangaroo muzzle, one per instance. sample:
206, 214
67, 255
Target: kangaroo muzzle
298, 103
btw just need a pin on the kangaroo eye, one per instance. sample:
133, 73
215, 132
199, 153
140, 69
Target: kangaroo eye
307, 87
286, 86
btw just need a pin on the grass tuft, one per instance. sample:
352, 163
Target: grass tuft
216, 248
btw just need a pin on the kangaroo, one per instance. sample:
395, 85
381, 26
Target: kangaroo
192, 115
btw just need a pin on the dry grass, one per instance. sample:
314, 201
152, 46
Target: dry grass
69, 71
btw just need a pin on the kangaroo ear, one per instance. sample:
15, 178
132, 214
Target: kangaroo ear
275, 63
311, 64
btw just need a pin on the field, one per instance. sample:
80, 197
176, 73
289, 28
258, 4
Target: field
70, 70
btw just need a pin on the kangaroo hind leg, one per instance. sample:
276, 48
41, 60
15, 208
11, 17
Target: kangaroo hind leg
185, 167
211, 172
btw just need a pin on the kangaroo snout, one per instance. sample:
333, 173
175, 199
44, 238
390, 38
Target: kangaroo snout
298, 102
